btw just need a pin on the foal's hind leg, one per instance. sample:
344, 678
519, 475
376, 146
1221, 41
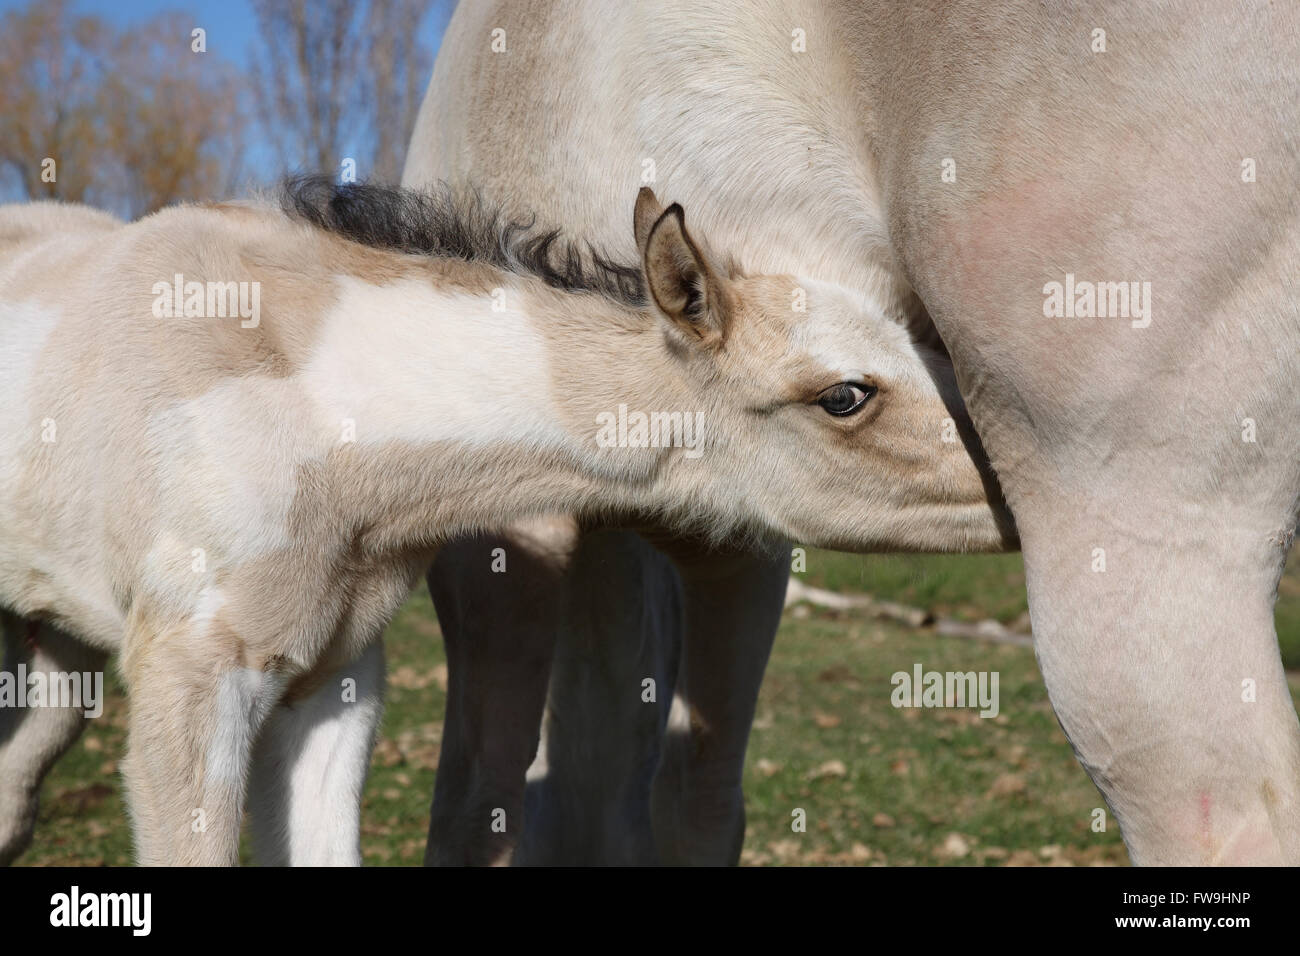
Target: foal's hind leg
33, 738
309, 769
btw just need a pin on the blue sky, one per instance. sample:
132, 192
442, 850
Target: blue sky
231, 27
229, 23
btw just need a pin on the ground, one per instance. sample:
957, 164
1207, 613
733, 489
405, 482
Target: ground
877, 784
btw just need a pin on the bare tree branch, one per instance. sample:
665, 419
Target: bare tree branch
334, 79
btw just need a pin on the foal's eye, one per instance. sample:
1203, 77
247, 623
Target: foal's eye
845, 398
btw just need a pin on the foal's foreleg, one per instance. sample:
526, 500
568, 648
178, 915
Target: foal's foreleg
309, 769
33, 738
196, 710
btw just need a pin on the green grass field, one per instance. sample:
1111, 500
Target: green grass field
877, 785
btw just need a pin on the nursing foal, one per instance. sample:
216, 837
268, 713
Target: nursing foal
240, 501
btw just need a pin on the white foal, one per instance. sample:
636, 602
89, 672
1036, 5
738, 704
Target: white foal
240, 497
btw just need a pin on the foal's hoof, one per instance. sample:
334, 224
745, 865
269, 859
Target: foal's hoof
17, 821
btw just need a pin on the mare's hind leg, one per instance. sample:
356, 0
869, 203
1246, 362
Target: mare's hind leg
733, 604
500, 631
588, 796
614, 600
33, 738
309, 769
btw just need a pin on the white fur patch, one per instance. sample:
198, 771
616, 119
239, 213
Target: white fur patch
24, 329
211, 600
318, 752
236, 449
244, 698
446, 367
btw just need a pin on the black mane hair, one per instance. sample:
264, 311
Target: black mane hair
447, 224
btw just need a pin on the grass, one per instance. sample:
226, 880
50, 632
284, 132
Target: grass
990, 586
877, 785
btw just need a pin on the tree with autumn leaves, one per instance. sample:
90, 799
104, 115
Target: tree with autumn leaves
131, 118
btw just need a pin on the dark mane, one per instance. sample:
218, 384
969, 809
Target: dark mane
448, 224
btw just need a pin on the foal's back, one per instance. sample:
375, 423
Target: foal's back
32, 234
24, 222
96, 387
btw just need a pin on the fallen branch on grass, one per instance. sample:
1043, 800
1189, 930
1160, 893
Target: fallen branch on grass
987, 630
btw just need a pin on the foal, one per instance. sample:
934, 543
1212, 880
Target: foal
239, 498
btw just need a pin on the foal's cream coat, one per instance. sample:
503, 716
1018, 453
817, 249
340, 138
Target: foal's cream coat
240, 508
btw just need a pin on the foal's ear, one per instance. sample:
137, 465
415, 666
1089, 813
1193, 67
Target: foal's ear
647, 213
683, 284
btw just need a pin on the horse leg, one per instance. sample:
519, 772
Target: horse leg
1152, 570
33, 738
499, 628
588, 796
733, 606
309, 769
1173, 696
587, 800
1154, 520
196, 710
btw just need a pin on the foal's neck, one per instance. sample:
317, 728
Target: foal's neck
461, 407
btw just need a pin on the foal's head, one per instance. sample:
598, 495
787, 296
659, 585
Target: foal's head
823, 419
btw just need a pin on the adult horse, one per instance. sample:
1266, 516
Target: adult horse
988, 162
607, 609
